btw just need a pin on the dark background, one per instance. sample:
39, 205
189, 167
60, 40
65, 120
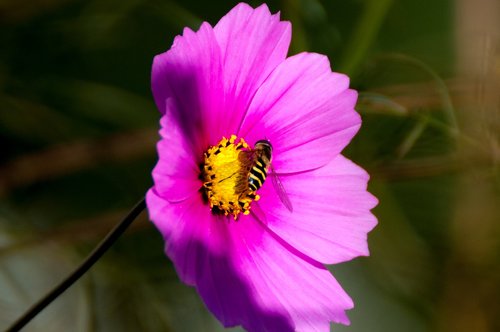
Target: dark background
78, 129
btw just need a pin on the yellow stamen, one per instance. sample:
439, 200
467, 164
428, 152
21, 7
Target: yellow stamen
225, 177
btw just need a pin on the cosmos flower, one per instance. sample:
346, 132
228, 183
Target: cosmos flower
237, 117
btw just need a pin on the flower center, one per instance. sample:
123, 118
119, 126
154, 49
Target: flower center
225, 175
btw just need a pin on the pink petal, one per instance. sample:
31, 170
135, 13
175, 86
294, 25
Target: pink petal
244, 274
306, 111
190, 76
186, 227
201, 249
331, 211
277, 274
212, 74
253, 42
176, 173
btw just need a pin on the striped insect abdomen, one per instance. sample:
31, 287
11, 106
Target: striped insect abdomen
257, 174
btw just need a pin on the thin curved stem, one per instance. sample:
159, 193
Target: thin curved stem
91, 259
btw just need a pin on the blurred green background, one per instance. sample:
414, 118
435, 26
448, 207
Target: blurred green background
77, 136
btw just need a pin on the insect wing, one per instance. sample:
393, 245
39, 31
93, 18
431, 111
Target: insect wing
280, 190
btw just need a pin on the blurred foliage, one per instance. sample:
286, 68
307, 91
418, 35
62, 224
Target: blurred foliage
78, 131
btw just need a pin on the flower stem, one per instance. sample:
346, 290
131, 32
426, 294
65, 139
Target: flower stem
92, 258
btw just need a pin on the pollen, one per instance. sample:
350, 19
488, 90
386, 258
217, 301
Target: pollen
225, 177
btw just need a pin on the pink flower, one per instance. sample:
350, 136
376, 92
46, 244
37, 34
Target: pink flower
257, 264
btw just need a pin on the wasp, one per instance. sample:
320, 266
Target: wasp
260, 164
